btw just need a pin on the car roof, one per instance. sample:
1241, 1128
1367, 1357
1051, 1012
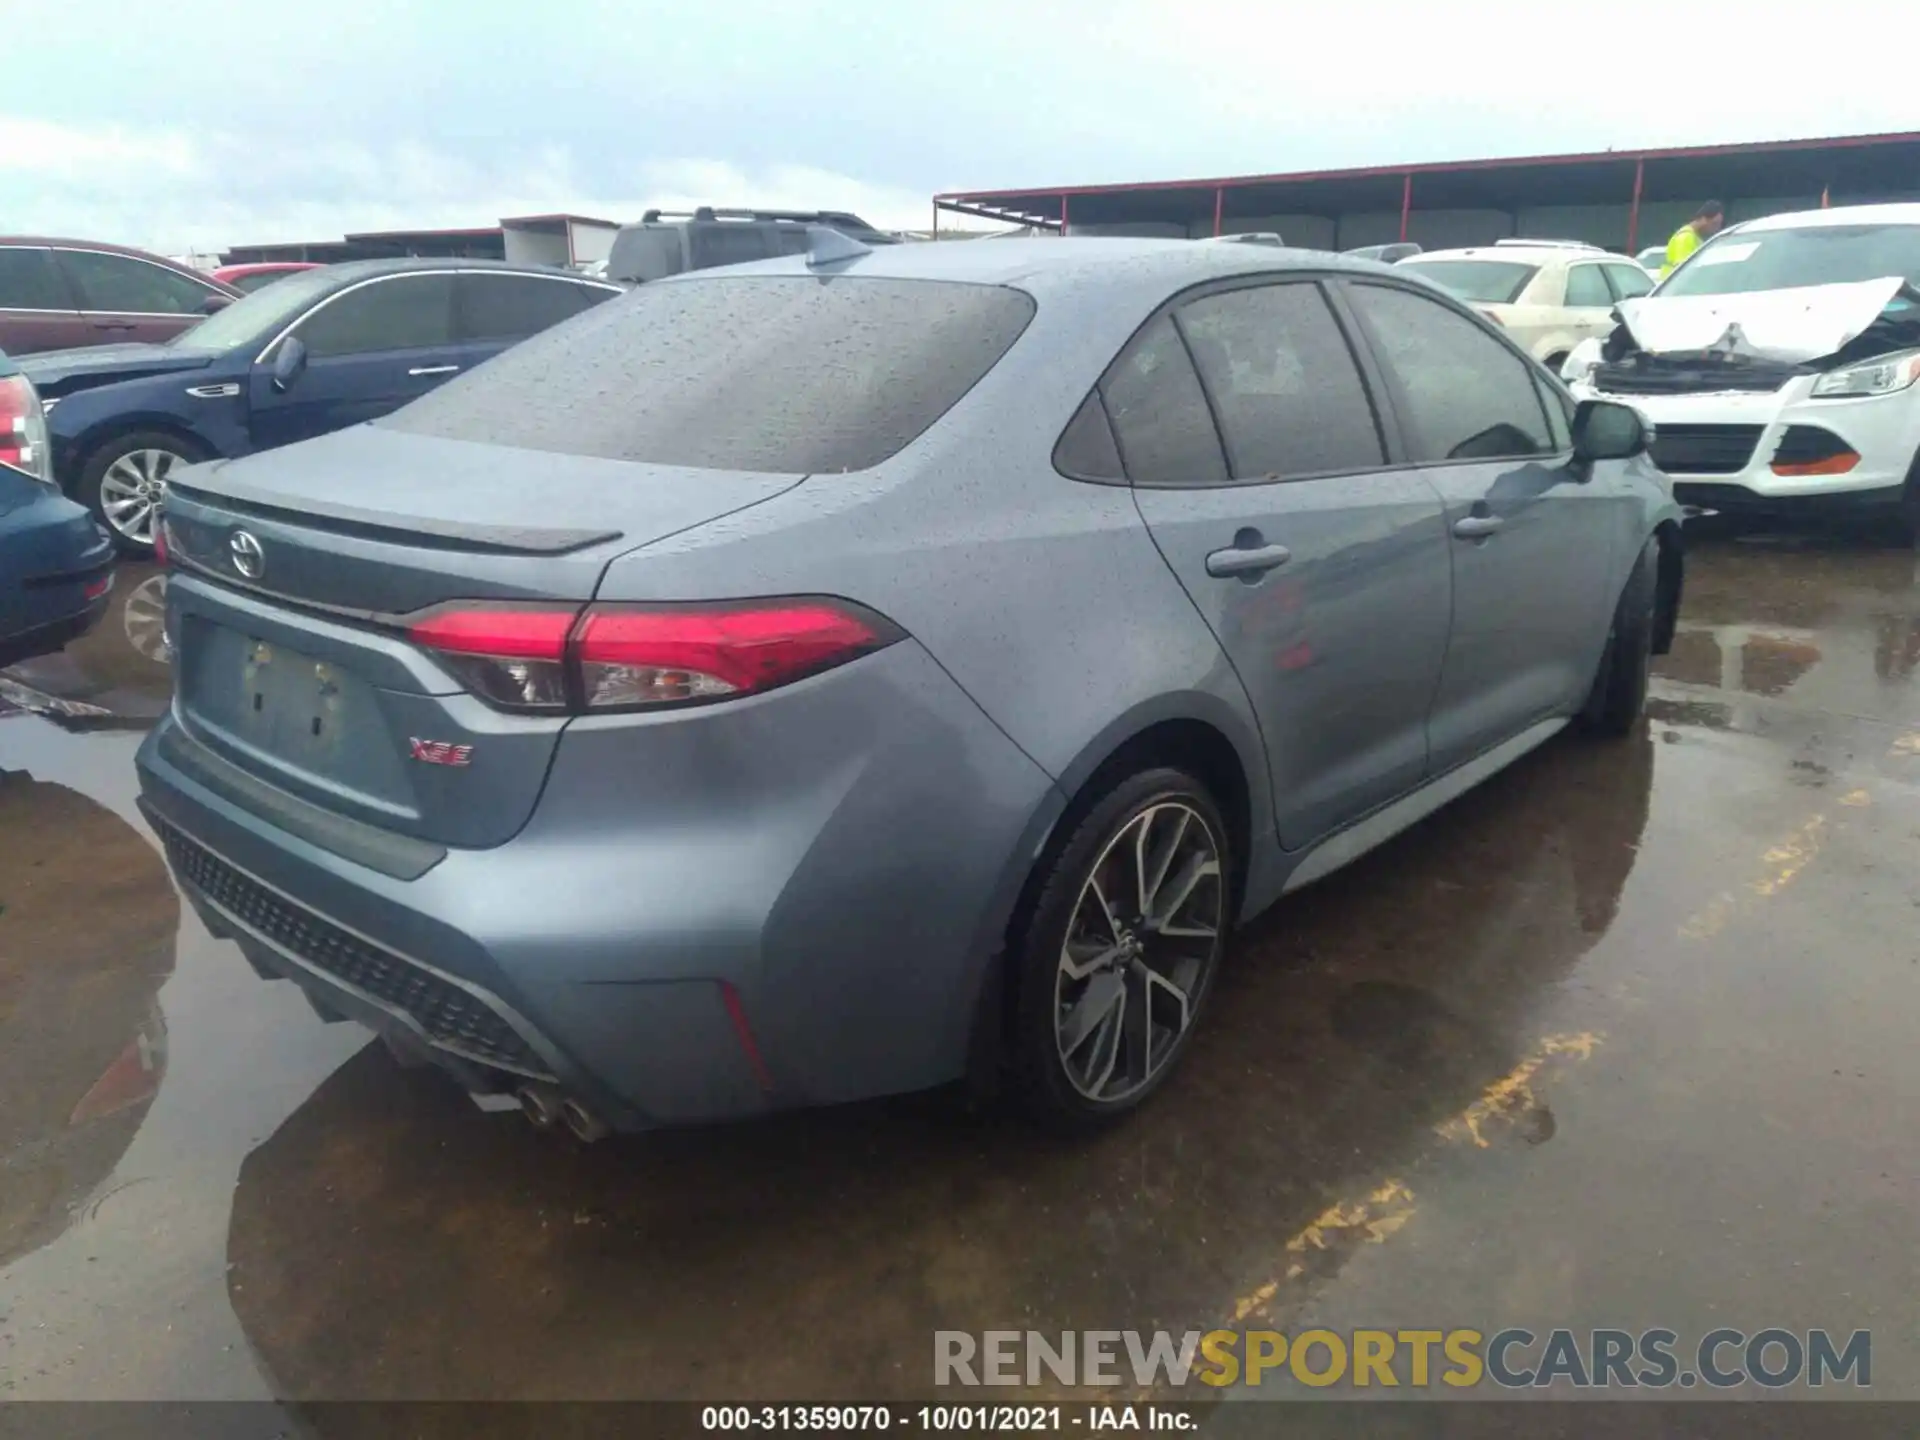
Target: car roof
1522, 254
348, 271
1052, 262
1902, 214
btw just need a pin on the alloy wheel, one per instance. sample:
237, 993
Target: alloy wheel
131, 491
145, 620
1142, 941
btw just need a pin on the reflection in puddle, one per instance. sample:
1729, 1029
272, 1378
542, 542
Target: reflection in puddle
87, 923
1704, 713
144, 620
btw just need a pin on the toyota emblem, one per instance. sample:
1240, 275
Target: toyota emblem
248, 558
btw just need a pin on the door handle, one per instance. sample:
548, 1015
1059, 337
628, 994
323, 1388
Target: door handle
433, 370
1247, 560
1476, 527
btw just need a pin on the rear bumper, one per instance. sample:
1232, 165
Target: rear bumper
50, 636
840, 883
1732, 499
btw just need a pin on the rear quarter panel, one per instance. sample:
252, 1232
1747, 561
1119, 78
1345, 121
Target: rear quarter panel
1044, 598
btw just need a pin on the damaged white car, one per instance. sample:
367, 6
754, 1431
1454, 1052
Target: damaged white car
1778, 365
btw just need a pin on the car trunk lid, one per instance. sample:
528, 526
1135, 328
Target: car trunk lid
294, 575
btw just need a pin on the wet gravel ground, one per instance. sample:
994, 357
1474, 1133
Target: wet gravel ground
1624, 1038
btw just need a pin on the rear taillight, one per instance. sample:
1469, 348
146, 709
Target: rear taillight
23, 429
627, 657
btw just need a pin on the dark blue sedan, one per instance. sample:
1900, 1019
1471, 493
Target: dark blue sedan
319, 351
56, 565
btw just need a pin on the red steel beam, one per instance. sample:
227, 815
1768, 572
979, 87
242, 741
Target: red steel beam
1406, 202
1219, 202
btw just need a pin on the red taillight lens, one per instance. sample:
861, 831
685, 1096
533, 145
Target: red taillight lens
633, 656
511, 656
23, 429
618, 657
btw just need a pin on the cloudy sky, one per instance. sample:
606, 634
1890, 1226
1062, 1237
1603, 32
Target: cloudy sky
178, 127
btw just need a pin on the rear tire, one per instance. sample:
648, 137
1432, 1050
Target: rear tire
1619, 693
1115, 957
123, 480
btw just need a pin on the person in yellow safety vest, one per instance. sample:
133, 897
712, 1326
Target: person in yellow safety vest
1691, 236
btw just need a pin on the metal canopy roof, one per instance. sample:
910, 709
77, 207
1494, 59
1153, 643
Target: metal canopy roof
1858, 167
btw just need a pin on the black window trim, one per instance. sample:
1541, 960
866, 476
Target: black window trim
1372, 383
64, 280
79, 292
1487, 327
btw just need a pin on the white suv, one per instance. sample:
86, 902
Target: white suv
1779, 364
1548, 294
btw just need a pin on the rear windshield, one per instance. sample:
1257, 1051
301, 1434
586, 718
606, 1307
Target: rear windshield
787, 373
1745, 260
1491, 282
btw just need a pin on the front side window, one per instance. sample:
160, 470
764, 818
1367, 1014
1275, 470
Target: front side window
1283, 382
407, 312
120, 284
1586, 286
1469, 397
1160, 417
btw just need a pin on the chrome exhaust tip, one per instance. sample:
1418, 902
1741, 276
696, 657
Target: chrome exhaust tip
540, 1105
586, 1126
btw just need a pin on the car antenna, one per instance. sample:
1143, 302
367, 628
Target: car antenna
828, 246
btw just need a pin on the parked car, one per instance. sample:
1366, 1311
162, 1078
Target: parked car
1391, 254
320, 350
249, 278
1652, 259
1780, 365
56, 294
56, 565
673, 242
1548, 295
671, 727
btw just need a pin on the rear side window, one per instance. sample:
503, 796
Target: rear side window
1086, 449
408, 312
784, 374
1587, 286
1468, 396
1486, 282
1159, 413
727, 244
512, 307
120, 284
29, 281
1282, 381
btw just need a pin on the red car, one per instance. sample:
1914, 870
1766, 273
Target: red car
251, 277
63, 294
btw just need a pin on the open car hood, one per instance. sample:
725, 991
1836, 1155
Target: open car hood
1788, 326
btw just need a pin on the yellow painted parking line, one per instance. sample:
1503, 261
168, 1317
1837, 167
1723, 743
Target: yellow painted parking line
1784, 860
1512, 1094
1380, 1213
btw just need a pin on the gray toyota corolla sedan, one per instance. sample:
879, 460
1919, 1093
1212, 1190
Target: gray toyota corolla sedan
850, 673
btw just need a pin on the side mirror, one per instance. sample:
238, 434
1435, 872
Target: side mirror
215, 303
289, 363
1604, 430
